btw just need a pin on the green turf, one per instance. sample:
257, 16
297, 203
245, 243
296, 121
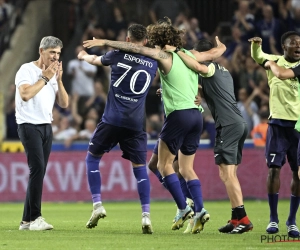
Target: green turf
121, 229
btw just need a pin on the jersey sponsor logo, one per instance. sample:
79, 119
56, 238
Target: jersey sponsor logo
138, 60
90, 143
216, 155
126, 98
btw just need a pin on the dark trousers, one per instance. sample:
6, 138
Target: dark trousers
37, 141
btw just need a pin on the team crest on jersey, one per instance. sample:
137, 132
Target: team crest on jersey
294, 86
294, 83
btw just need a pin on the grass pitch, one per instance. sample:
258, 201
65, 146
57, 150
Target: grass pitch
121, 229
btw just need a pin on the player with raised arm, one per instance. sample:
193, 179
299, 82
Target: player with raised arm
282, 138
180, 86
285, 74
123, 120
231, 130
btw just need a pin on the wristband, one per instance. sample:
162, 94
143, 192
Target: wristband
176, 50
46, 79
263, 63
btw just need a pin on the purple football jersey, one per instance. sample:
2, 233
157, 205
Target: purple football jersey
131, 78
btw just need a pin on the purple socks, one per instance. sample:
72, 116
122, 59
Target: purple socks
174, 188
94, 178
143, 187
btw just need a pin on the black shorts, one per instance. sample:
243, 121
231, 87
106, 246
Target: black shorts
182, 130
282, 143
155, 149
132, 143
229, 143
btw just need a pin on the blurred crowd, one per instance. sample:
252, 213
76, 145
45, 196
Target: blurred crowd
10, 15
109, 19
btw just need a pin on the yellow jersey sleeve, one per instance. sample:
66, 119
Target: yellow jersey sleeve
259, 56
211, 71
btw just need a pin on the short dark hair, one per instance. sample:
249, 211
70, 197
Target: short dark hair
137, 32
203, 45
286, 35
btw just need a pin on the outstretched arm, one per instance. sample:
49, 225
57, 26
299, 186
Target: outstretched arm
211, 54
188, 60
256, 51
154, 53
163, 58
280, 72
91, 59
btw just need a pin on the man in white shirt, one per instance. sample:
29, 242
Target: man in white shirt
38, 85
82, 74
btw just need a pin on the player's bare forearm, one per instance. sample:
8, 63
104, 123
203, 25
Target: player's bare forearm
92, 59
280, 72
125, 46
211, 54
154, 53
274, 68
192, 63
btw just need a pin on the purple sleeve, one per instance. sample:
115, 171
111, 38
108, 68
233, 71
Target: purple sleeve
108, 58
296, 71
